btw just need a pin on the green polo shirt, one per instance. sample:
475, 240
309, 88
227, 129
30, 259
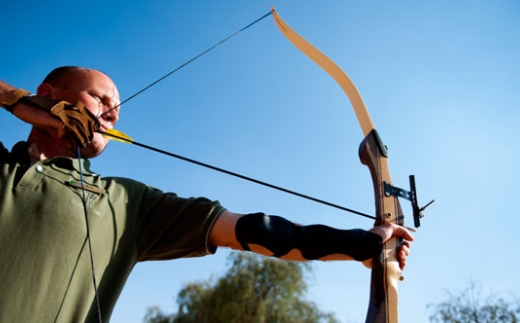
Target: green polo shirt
45, 269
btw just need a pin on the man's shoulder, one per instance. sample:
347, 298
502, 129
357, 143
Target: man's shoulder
18, 152
4, 153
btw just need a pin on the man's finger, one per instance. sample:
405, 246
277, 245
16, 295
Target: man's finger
399, 231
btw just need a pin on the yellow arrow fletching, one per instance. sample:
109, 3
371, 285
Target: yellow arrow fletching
117, 135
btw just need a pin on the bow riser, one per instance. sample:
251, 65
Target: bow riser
385, 275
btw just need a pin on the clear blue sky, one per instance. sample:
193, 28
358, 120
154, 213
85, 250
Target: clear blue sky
441, 80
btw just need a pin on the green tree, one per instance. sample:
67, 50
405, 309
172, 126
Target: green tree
469, 306
255, 289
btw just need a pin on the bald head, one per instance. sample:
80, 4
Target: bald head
61, 76
94, 89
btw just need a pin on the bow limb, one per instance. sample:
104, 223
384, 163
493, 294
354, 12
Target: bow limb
383, 305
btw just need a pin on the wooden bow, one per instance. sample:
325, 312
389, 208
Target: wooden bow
383, 305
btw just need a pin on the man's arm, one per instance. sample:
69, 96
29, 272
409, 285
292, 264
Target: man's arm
224, 234
35, 116
6, 90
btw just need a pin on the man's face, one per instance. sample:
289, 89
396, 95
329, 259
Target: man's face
99, 94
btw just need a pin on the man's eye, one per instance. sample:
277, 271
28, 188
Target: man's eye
100, 100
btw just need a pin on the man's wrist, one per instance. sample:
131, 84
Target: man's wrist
13, 100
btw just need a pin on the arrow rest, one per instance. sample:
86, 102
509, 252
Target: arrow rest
410, 195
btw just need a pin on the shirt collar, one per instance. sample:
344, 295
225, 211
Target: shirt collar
22, 151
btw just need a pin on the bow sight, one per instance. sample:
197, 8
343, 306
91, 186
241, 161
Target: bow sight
411, 196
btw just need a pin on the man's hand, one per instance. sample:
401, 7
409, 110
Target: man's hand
77, 122
388, 230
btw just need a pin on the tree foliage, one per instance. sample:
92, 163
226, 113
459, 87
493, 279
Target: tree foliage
255, 290
469, 306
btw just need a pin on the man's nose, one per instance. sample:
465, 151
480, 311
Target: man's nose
110, 115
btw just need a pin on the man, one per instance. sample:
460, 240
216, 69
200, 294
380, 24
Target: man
63, 226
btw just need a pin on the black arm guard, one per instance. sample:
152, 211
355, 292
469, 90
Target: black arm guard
315, 241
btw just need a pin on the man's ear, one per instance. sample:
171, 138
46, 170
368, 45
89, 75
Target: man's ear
46, 90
